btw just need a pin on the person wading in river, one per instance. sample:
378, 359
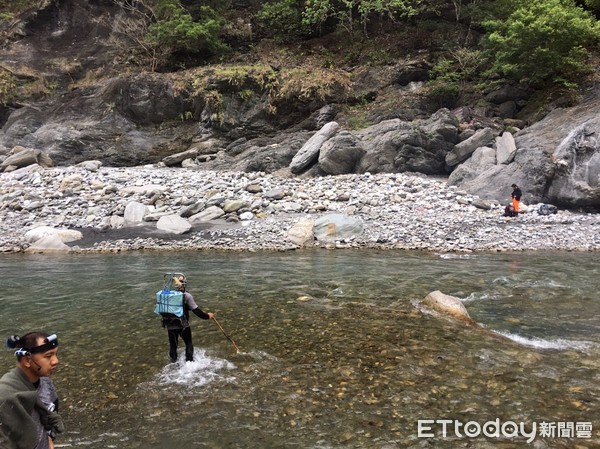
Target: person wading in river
516, 198
29, 416
180, 327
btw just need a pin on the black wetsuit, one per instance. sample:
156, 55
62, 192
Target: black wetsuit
182, 328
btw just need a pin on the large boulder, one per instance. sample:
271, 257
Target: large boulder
395, 146
447, 305
309, 153
302, 233
65, 235
576, 181
49, 244
23, 157
483, 159
557, 161
505, 148
463, 150
340, 154
178, 158
173, 224
134, 213
337, 227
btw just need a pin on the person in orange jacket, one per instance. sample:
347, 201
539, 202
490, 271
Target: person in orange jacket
516, 198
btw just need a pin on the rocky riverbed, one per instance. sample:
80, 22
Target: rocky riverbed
255, 211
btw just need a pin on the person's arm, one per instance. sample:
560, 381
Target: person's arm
201, 314
195, 309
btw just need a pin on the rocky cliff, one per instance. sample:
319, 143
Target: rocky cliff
72, 102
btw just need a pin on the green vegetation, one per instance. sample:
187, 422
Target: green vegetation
542, 42
351, 15
10, 8
176, 29
248, 81
160, 34
452, 73
7, 87
593, 6
281, 20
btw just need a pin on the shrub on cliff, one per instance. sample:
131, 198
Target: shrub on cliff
542, 41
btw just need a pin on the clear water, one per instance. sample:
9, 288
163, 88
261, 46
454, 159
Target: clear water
335, 351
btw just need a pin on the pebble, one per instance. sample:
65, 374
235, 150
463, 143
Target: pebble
398, 210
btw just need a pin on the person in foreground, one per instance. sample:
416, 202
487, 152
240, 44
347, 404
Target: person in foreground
180, 327
29, 416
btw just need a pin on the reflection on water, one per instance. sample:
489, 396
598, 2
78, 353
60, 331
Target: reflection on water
333, 351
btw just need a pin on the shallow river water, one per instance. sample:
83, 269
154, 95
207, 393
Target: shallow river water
336, 351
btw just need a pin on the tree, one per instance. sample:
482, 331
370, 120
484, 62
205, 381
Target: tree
281, 19
349, 12
150, 32
176, 29
542, 42
593, 5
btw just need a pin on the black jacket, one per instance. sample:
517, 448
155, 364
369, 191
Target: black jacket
516, 193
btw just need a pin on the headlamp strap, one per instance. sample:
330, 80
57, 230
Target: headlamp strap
50, 342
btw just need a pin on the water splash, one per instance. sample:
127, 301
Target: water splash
201, 371
556, 344
451, 256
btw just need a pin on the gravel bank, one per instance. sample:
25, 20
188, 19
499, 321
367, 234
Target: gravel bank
399, 211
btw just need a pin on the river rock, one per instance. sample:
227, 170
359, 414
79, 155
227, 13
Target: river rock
302, 233
447, 305
173, 224
234, 205
134, 213
92, 166
65, 235
210, 213
192, 209
22, 157
48, 244
337, 227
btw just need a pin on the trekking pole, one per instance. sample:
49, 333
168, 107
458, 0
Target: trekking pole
228, 337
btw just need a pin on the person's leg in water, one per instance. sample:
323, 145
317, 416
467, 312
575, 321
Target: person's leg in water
186, 335
173, 337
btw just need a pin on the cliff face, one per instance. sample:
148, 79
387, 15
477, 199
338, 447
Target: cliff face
73, 95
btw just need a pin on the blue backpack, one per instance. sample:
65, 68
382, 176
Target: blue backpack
169, 300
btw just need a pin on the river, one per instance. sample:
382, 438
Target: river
335, 349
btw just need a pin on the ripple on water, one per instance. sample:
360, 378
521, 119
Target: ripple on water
557, 344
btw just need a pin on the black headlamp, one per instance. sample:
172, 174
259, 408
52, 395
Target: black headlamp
50, 342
